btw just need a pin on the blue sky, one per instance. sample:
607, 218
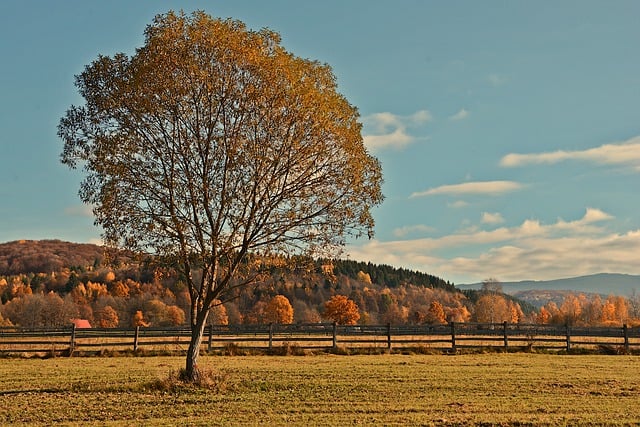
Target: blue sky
509, 132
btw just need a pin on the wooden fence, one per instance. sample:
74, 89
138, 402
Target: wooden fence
322, 336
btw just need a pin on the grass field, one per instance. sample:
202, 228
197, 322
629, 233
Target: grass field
478, 389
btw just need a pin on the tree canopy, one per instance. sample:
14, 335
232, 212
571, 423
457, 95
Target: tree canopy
213, 143
341, 310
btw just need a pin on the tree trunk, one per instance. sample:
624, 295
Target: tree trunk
191, 372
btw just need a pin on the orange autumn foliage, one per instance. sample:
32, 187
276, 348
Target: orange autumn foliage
587, 311
341, 310
175, 315
218, 314
279, 310
107, 317
138, 320
435, 313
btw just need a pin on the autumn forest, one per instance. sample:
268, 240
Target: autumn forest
50, 283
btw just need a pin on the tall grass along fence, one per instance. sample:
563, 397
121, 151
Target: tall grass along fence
323, 337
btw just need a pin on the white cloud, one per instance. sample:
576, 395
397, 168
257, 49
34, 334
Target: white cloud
396, 139
83, 210
625, 154
412, 229
381, 122
531, 250
492, 188
552, 258
492, 218
421, 116
390, 130
595, 215
460, 115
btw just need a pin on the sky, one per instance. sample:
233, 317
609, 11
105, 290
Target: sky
508, 132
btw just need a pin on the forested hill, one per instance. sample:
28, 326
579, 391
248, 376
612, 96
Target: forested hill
391, 277
49, 256
113, 288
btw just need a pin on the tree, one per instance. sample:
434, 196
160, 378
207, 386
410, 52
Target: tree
40, 310
212, 145
109, 276
552, 315
592, 311
634, 304
257, 313
157, 313
341, 310
492, 308
175, 315
364, 277
615, 310
305, 314
218, 314
515, 312
435, 313
544, 316
107, 317
491, 286
571, 309
279, 310
5, 322
138, 320
608, 313
396, 314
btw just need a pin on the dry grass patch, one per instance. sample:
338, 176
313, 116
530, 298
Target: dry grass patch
176, 381
471, 389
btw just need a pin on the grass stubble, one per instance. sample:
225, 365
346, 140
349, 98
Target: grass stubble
471, 389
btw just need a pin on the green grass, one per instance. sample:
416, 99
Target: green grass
472, 389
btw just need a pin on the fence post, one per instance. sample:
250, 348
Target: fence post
389, 337
568, 333
72, 344
625, 330
453, 336
270, 336
135, 339
506, 337
210, 338
335, 335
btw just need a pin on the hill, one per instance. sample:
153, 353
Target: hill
50, 256
540, 292
47, 256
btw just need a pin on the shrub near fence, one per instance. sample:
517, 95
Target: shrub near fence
323, 337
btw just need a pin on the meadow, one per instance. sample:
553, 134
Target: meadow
466, 389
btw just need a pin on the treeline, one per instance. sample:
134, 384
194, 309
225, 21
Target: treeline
391, 276
585, 310
116, 290
138, 295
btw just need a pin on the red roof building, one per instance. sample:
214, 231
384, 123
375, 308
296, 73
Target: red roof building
81, 323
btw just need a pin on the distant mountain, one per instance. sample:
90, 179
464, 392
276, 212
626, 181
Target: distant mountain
603, 283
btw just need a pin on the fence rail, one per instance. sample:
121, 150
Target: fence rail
322, 336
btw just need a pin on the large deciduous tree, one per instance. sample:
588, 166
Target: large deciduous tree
211, 145
279, 310
341, 310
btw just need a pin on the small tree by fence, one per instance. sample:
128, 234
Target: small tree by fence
450, 337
